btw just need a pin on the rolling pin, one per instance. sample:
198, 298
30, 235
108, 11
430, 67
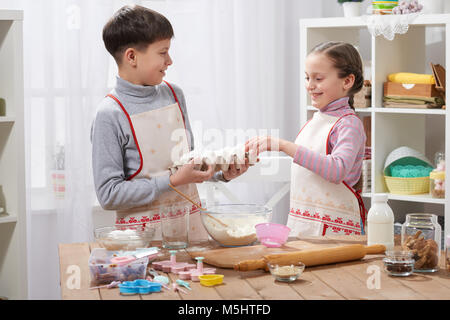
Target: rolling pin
312, 257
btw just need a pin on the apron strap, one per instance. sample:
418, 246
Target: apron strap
179, 106
331, 130
363, 212
132, 131
324, 231
362, 208
173, 91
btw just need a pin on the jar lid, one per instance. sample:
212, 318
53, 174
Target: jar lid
437, 175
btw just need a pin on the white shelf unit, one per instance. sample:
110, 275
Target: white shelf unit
390, 127
13, 246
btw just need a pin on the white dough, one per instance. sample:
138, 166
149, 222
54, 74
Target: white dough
241, 230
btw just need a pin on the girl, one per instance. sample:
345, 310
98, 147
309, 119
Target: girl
328, 151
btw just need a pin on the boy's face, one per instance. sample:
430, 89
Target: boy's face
152, 62
322, 80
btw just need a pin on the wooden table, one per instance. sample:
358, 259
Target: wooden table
344, 281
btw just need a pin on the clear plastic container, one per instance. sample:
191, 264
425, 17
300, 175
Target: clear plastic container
104, 272
421, 234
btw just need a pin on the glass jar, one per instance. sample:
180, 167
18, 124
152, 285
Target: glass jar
439, 161
437, 184
447, 253
437, 176
421, 234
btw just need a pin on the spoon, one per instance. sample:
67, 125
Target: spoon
198, 206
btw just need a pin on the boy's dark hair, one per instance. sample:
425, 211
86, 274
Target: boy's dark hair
346, 60
134, 26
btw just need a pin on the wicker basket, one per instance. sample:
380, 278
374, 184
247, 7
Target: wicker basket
408, 185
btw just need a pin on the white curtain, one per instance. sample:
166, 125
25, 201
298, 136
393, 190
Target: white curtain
236, 60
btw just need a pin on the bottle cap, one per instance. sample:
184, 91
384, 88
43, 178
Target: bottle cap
380, 197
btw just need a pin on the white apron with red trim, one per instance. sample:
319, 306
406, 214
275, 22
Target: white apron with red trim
158, 133
317, 206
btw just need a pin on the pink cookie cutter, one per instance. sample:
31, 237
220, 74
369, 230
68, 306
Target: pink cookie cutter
193, 274
172, 265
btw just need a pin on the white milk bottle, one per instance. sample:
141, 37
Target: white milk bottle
380, 222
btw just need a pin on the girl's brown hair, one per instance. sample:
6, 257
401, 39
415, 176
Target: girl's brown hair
346, 60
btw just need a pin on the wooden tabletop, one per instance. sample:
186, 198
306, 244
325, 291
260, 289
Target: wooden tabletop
363, 279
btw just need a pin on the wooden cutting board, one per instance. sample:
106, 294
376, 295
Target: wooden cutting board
227, 257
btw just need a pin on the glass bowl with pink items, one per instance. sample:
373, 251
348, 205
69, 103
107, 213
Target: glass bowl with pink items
272, 235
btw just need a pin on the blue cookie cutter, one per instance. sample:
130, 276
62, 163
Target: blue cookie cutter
139, 286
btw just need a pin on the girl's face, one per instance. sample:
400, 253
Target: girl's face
152, 63
322, 81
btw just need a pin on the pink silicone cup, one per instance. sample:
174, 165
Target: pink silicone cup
272, 235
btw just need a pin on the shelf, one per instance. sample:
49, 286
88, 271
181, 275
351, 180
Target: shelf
425, 130
7, 119
6, 218
13, 234
395, 110
410, 111
424, 198
359, 22
310, 108
11, 15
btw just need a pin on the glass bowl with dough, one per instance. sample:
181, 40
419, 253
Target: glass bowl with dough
233, 225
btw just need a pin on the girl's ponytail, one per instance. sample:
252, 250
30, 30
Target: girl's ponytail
350, 101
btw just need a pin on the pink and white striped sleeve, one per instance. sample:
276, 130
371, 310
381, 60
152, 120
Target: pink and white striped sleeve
347, 141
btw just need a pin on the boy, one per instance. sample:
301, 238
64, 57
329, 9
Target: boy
132, 133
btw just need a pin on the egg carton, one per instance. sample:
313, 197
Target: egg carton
221, 159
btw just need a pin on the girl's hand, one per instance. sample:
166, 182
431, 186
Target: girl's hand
257, 145
235, 170
188, 174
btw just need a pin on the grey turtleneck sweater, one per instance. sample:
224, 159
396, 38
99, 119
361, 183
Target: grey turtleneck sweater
115, 156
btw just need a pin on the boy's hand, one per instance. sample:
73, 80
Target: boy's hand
257, 145
235, 171
188, 174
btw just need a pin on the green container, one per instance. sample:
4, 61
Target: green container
383, 7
